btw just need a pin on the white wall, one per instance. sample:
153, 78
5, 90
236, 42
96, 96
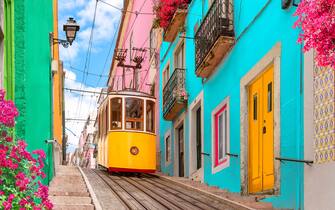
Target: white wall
319, 186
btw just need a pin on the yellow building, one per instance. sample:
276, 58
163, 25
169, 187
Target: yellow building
58, 83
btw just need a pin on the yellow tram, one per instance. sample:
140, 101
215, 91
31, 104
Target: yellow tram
126, 135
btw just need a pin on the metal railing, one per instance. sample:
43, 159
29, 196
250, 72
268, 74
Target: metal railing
218, 22
174, 90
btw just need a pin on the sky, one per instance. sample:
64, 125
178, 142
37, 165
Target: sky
77, 59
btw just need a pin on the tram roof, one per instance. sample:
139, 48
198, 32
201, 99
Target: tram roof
130, 93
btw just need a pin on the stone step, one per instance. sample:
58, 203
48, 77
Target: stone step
72, 200
74, 207
68, 193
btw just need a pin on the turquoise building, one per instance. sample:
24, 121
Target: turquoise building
231, 97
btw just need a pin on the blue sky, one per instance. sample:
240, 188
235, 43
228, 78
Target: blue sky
74, 58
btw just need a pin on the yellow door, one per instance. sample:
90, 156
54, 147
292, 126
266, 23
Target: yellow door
261, 144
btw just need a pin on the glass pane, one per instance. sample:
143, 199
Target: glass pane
167, 149
270, 97
255, 107
225, 131
150, 116
116, 113
221, 134
134, 114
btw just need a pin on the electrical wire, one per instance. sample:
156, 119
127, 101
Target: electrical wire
122, 10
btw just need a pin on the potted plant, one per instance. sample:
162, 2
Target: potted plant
170, 15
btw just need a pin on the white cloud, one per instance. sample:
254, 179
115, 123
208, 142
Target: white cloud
88, 105
107, 19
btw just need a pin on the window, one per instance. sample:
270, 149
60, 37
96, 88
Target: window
166, 75
179, 57
167, 149
116, 113
134, 114
221, 136
106, 118
150, 114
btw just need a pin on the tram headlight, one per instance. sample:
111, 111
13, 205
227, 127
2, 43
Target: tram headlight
134, 150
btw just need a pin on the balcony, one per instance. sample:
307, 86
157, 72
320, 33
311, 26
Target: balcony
174, 95
214, 38
175, 25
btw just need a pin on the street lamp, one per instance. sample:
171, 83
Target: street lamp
71, 27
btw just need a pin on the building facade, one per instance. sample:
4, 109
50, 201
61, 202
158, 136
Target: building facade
86, 143
33, 77
231, 84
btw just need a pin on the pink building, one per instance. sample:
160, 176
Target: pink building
137, 41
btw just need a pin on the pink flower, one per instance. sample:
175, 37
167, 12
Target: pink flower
40, 153
9, 139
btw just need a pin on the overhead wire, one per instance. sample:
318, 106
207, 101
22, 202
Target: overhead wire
87, 59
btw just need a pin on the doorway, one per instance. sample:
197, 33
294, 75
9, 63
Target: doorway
180, 141
261, 133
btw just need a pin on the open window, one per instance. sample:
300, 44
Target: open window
134, 114
115, 113
167, 149
150, 116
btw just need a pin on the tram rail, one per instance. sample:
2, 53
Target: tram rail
146, 191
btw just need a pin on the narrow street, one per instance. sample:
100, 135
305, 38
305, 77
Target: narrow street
143, 191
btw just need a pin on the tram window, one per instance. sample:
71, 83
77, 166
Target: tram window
150, 116
116, 113
134, 114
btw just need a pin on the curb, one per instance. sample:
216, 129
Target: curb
233, 203
95, 200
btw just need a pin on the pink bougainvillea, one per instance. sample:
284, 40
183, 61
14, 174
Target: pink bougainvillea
20, 170
317, 21
165, 10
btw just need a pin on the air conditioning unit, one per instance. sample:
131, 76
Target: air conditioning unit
54, 66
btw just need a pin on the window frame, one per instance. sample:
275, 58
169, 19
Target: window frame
168, 136
142, 120
217, 163
166, 75
153, 116
110, 114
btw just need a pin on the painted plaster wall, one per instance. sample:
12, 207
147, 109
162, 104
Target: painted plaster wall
258, 26
137, 30
8, 76
33, 93
1, 44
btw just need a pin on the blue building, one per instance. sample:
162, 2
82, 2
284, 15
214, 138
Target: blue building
232, 99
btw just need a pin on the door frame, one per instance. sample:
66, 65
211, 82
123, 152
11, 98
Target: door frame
180, 121
273, 57
197, 102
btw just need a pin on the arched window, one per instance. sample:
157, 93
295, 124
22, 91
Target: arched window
115, 113
134, 114
150, 113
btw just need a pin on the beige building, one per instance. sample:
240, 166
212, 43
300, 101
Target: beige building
319, 106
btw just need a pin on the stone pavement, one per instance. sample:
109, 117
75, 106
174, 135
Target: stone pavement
250, 201
68, 191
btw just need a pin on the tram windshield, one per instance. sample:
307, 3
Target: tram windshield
134, 114
116, 113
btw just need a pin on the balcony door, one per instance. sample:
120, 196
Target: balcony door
179, 56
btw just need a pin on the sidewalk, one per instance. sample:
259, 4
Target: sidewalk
250, 201
68, 191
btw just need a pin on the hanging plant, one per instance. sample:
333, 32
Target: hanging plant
165, 10
317, 21
20, 170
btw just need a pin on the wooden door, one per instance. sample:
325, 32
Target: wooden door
198, 137
181, 150
261, 142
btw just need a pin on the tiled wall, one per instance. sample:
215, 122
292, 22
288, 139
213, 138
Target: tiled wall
324, 115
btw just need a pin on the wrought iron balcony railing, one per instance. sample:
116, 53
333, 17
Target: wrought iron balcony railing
174, 94
214, 37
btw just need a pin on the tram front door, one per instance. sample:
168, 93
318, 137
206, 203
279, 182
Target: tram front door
181, 150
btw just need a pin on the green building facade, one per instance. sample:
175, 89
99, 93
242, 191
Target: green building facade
27, 71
